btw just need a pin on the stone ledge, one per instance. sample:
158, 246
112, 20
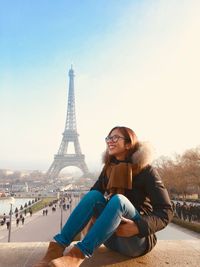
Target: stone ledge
166, 253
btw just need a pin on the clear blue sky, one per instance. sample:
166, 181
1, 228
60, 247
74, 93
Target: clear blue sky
136, 64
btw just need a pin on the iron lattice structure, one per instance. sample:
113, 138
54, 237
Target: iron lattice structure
62, 159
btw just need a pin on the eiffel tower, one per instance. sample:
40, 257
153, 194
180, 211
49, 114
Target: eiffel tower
62, 159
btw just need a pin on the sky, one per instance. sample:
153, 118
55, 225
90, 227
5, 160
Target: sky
136, 64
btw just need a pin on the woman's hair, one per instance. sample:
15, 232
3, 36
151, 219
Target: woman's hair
130, 138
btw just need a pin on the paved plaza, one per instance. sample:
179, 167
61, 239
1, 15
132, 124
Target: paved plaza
37, 228
29, 243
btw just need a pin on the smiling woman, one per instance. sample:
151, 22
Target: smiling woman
121, 142
127, 205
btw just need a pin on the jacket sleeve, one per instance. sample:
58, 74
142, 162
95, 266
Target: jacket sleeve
99, 184
162, 212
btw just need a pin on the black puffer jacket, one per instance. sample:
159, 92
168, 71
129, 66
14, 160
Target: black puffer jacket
150, 197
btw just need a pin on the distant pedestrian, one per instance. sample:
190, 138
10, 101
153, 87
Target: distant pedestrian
8, 224
46, 212
43, 212
4, 218
17, 222
30, 211
23, 219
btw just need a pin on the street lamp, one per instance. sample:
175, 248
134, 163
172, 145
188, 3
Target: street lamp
61, 210
11, 202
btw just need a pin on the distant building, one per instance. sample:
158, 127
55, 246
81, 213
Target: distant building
4, 187
20, 187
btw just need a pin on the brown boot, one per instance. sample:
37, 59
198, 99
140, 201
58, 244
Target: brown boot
54, 251
73, 258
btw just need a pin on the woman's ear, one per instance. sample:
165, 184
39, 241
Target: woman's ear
127, 146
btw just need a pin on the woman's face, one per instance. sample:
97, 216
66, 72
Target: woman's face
116, 145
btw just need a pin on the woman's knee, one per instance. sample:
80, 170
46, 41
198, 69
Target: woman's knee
95, 200
118, 200
123, 204
94, 196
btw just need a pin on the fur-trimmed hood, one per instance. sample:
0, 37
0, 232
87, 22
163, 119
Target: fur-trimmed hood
143, 155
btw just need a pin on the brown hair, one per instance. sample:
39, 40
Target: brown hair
130, 138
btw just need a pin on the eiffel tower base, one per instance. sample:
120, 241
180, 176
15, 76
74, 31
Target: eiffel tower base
62, 161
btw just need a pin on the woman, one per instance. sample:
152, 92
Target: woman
128, 204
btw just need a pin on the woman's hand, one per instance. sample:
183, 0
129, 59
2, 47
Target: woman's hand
127, 228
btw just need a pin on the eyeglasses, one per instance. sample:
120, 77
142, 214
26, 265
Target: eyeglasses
114, 138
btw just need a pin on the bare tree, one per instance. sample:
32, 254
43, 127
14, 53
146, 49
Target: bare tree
181, 173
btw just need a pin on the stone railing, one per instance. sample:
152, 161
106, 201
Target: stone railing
173, 253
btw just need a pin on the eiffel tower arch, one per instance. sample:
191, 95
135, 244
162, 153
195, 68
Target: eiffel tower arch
63, 159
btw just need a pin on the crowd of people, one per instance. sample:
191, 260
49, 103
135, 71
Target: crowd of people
19, 214
20, 217
187, 211
64, 201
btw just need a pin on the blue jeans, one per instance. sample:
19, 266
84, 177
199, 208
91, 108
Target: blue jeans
109, 215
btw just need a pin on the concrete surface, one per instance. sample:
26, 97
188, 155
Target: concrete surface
37, 228
173, 253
